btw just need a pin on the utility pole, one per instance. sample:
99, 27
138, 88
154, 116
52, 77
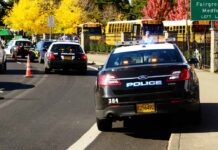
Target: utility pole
187, 29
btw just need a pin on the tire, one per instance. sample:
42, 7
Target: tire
47, 70
104, 124
32, 59
128, 123
22, 56
3, 67
32, 56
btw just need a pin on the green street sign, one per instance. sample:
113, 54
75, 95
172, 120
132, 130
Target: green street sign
204, 9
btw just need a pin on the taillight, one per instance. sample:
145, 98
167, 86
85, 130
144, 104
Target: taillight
18, 48
108, 80
183, 74
84, 57
51, 56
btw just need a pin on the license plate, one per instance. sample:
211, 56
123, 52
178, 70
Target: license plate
68, 58
145, 108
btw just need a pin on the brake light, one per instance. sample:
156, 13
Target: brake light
51, 56
184, 74
84, 57
18, 48
108, 80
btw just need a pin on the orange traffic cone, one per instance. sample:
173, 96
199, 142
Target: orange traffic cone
28, 67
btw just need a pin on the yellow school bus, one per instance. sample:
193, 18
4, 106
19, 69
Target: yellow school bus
131, 30
197, 30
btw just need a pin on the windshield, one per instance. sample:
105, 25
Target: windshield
144, 57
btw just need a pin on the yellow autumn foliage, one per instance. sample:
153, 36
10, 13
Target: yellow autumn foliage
28, 15
32, 16
68, 16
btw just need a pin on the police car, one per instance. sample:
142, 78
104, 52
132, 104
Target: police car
65, 56
144, 80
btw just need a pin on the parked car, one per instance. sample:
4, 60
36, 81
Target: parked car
65, 56
3, 60
41, 48
146, 80
19, 47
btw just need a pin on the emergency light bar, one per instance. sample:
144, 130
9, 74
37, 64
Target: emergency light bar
123, 43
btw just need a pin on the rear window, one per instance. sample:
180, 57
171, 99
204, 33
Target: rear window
21, 43
47, 44
144, 57
66, 48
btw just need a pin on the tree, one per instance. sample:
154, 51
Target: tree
136, 10
29, 16
4, 7
180, 11
157, 9
68, 16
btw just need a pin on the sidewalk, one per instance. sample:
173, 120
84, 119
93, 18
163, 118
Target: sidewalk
204, 136
98, 59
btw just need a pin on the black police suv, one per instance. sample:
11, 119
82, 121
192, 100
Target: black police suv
65, 56
143, 80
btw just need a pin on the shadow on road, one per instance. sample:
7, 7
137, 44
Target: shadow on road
162, 127
10, 86
209, 121
147, 128
74, 73
21, 72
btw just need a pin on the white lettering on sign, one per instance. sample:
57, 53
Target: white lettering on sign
113, 101
143, 83
206, 4
205, 16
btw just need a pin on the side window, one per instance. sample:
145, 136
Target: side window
38, 45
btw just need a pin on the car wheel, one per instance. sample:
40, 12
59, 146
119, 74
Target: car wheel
5, 67
128, 123
47, 70
104, 124
22, 56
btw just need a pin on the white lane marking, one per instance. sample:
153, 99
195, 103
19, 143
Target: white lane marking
19, 62
86, 139
94, 68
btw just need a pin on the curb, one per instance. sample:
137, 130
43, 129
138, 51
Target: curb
174, 141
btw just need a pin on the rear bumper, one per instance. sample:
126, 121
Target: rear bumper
122, 111
80, 65
23, 52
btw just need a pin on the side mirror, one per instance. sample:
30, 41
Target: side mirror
100, 67
193, 61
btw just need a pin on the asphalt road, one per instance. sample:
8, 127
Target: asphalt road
51, 112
